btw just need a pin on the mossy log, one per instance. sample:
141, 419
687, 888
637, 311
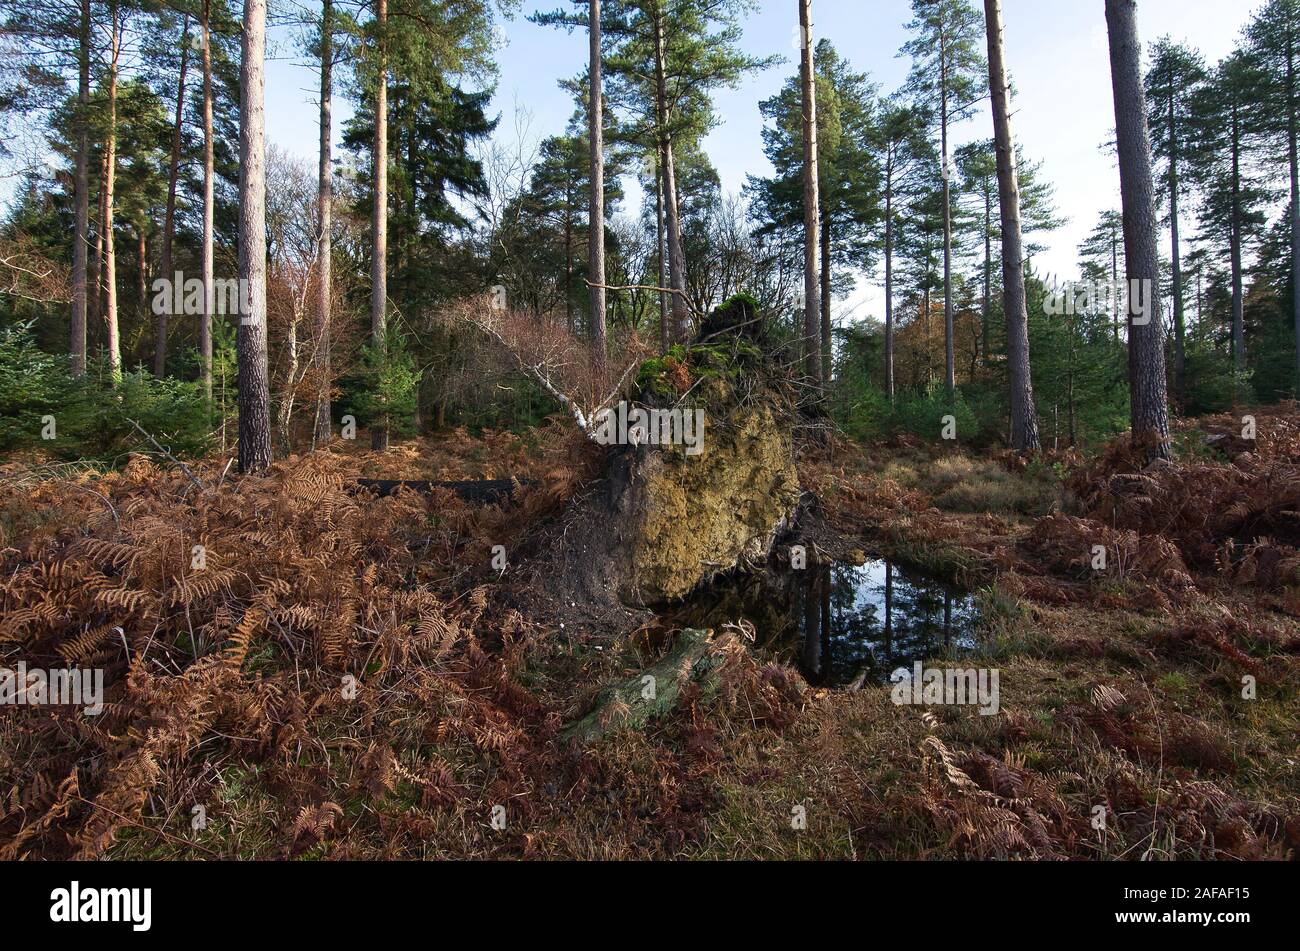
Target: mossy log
633, 702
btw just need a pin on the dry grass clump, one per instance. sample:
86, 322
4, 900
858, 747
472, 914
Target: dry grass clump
1239, 521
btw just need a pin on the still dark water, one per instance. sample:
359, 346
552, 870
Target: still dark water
840, 623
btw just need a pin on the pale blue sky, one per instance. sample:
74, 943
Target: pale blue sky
1056, 51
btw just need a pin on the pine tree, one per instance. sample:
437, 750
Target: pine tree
902, 152
254, 385
596, 191
849, 192
1172, 81
665, 59
1102, 254
1227, 142
1149, 406
1024, 422
947, 78
1275, 41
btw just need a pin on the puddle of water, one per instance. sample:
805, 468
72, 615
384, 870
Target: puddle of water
840, 623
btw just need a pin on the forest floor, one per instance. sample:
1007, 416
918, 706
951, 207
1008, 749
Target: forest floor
345, 676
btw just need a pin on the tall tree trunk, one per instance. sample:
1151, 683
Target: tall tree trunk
169, 215
596, 204
1024, 421
811, 202
1293, 149
828, 351
1180, 353
254, 386
1114, 281
81, 185
987, 308
209, 205
1235, 242
325, 196
142, 269
950, 355
889, 283
672, 217
379, 226
664, 330
1148, 399
95, 300
568, 256
110, 161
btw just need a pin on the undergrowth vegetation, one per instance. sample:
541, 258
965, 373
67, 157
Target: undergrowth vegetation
348, 676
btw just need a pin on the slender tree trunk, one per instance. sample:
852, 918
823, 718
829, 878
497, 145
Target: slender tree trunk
254, 387
889, 283
95, 301
811, 202
596, 205
324, 200
950, 356
1294, 160
284, 420
568, 257
828, 348
379, 226
1235, 241
988, 274
169, 215
1148, 399
1114, 281
1180, 357
142, 268
209, 205
672, 217
110, 161
1024, 421
664, 330
81, 185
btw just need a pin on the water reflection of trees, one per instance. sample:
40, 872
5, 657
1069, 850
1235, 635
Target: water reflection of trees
874, 618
